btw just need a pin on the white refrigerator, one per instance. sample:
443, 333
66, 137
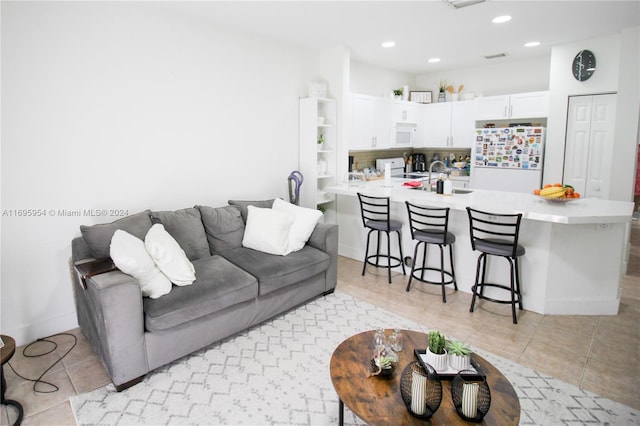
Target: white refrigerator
507, 159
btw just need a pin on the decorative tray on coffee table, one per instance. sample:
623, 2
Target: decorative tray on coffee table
449, 373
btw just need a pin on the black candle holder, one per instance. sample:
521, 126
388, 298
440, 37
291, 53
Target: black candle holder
482, 400
432, 389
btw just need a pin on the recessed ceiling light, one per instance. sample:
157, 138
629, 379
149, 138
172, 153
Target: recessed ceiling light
501, 19
532, 44
388, 44
434, 60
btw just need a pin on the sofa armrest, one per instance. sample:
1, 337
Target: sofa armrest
112, 313
325, 238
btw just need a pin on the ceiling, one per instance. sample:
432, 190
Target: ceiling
422, 29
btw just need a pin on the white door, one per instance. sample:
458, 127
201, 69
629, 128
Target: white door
588, 158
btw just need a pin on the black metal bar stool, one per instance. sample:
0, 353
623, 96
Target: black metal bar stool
375, 213
430, 225
496, 235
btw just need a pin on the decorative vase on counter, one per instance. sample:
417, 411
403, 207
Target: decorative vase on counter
442, 97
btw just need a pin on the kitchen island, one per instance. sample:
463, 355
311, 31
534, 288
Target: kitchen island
575, 252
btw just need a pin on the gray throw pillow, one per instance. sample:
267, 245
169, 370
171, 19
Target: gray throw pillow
185, 226
265, 204
224, 227
98, 237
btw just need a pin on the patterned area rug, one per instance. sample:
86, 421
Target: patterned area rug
278, 374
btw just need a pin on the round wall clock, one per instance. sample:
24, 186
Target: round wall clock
584, 65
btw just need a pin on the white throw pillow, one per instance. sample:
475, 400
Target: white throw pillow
267, 230
169, 256
305, 221
131, 257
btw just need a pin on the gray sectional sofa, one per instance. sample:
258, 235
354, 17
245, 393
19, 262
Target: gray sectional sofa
235, 288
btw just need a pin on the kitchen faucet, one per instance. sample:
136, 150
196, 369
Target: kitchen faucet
430, 169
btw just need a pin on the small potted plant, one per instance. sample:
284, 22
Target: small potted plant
397, 93
436, 352
459, 354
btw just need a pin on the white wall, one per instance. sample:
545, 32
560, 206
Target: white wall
617, 71
124, 106
375, 81
497, 77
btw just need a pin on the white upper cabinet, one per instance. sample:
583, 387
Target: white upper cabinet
371, 126
405, 112
448, 124
521, 105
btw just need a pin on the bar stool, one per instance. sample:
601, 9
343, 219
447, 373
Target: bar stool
496, 235
375, 213
429, 225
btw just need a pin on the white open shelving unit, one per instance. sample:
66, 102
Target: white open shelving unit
318, 162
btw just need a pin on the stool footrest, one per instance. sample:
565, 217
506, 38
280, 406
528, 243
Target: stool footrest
416, 276
384, 257
475, 289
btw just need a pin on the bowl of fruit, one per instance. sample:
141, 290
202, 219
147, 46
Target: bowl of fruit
557, 193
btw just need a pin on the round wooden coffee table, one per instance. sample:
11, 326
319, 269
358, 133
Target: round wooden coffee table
378, 401
6, 352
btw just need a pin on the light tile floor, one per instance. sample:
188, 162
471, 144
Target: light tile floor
576, 349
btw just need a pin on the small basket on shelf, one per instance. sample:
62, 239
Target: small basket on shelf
421, 390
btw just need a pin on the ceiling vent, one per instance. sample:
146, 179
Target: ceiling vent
457, 4
497, 55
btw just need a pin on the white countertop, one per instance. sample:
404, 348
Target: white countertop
580, 211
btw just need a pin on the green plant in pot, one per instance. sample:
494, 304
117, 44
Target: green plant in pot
459, 354
436, 352
397, 93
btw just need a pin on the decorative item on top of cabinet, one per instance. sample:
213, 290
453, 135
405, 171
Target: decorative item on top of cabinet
421, 97
317, 154
441, 95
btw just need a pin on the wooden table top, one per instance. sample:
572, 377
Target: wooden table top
378, 401
9, 348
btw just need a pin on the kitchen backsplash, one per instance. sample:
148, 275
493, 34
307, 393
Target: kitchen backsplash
364, 159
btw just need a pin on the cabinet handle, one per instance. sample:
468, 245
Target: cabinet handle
505, 111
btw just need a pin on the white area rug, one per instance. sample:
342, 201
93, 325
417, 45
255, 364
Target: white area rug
278, 374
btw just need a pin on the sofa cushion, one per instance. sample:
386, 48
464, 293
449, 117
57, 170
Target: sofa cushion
98, 237
131, 257
267, 230
304, 222
275, 272
265, 204
223, 226
219, 285
186, 227
169, 256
